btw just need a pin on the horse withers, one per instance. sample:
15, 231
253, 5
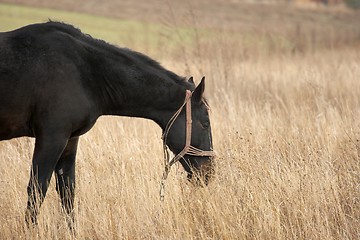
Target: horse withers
55, 82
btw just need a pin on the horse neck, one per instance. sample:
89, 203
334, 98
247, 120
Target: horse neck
140, 93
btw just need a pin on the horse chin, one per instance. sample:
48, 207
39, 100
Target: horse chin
201, 172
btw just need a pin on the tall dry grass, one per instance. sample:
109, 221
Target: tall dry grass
286, 128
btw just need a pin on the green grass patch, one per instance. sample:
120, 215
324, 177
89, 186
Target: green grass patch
134, 34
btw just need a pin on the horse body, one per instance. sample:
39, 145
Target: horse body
55, 68
39, 81
56, 81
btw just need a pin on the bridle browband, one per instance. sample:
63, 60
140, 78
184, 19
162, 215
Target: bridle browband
187, 150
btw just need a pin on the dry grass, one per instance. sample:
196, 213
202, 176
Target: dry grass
286, 128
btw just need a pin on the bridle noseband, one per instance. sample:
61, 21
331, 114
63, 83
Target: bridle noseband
188, 149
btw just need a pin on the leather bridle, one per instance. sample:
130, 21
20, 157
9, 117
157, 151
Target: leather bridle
188, 149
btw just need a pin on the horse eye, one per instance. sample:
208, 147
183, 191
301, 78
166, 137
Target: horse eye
205, 124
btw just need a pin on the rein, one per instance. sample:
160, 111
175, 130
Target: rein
188, 149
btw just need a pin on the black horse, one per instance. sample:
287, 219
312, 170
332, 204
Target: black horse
55, 82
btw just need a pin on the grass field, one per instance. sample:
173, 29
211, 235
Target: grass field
286, 127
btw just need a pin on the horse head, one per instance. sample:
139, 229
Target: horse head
188, 135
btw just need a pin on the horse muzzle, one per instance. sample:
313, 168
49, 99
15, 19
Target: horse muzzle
201, 170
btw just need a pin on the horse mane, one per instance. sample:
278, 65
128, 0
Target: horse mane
129, 53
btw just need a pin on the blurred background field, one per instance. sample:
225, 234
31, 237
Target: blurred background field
283, 82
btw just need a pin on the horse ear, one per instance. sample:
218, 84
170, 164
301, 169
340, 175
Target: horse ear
191, 80
199, 91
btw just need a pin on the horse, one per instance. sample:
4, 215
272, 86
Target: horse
56, 81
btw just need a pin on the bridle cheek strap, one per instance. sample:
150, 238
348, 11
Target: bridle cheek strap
188, 149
